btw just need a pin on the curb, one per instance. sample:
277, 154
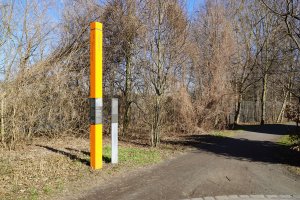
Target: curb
248, 197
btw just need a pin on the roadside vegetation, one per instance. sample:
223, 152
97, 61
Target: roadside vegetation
45, 168
175, 66
291, 141
177, 69
224, 133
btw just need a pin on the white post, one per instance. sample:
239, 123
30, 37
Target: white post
114, 131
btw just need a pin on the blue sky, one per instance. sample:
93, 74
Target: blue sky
193, 5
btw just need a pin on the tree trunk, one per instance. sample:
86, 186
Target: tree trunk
286, 97
256, 100
126, 117
238, 110
281, 113
263, 100
2, 121
112, 85
155, 136
159, 82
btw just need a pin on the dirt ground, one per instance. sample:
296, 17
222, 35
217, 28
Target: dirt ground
249, 163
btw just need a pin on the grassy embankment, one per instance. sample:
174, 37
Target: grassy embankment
46, 168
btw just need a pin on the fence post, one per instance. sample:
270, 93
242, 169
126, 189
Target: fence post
114, 131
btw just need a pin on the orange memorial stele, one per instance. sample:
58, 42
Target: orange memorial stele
96, 43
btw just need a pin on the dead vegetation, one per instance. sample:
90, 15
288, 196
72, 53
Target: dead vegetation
42, 168
172, 72
175, 72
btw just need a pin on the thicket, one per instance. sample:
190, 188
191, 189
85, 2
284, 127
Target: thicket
173, 71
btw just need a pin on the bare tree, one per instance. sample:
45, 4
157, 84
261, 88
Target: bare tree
166, 25
289, 13
215, 47
121, 31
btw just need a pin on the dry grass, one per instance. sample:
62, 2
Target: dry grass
44, 168
31, 171
294, 170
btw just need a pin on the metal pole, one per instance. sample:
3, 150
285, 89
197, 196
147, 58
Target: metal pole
114, 131
96, 103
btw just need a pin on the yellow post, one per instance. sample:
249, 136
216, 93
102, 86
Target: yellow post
96, 36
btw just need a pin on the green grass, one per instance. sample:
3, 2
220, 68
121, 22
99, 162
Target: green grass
287, 140
132, 156
34, 195
224, 133
47, 190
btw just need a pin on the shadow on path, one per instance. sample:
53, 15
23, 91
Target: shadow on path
275, 129
242, 149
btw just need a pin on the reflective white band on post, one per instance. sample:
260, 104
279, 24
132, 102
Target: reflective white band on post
96, 105
114, 131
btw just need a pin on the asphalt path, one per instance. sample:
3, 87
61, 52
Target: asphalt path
251, 163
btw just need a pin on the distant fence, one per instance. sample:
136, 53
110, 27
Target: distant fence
251, 112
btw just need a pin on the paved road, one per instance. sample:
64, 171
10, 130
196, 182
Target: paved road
248, 164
